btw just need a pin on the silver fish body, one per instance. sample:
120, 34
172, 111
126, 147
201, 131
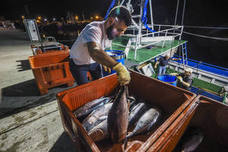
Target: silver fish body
96, 117
99, 132
86, 109
136, 112
146, 122
192, 140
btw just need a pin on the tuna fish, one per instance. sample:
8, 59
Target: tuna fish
118, 120
192, 140
137, 111
131, 99
132, 102
96, 117
146, 122
86, 109
99, 132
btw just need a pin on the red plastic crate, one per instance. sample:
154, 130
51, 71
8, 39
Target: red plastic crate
50, 70
171, 99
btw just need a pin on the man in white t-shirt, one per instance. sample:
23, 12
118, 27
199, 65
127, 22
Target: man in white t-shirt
87, 52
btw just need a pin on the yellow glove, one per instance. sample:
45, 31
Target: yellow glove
122, 73
180, 78
107, 69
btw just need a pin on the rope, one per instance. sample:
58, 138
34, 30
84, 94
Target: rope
205, 36
207, 27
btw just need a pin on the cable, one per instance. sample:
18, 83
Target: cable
177, 8
207, 27
183, 13
110, 7
205, 36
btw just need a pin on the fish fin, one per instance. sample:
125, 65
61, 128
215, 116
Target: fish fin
128, 104
117, 148
125, 142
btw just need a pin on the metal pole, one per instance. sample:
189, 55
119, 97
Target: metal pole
159, 28
151, 16
182, 28
163, 44
183, 61
182, 20
175, 22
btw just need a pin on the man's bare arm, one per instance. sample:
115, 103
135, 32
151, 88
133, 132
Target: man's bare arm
100, 56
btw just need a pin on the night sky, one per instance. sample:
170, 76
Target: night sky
197, 13
50, 8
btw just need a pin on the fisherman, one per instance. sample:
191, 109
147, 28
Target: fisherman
184, 79
87, 52
163, 62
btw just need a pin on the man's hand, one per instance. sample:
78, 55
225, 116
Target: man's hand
122, 73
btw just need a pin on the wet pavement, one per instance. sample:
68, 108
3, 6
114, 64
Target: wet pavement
28, 121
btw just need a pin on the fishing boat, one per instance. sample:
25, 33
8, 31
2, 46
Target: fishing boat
144, 43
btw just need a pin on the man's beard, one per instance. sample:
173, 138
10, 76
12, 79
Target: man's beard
109, 32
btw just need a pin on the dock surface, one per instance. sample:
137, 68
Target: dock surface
28, 121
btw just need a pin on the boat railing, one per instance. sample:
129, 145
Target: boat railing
198, 63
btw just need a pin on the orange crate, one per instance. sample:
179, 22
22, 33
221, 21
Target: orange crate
50, 70
210, 117
170, 99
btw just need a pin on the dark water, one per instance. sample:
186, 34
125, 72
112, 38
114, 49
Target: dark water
208, 50
198, 13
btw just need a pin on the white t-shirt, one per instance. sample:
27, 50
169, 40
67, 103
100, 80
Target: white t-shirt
93, 32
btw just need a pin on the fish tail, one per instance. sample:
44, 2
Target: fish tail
117, 148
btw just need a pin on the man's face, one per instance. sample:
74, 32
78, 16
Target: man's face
166, 57
116, 29
187, 73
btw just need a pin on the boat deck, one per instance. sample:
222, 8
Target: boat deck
146, 54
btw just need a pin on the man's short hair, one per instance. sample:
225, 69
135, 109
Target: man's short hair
167, 56
121, 13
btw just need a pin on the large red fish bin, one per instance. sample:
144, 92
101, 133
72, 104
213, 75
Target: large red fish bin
173, 101
206, 114
51, 70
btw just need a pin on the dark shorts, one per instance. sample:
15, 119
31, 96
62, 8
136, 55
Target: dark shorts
79, 72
